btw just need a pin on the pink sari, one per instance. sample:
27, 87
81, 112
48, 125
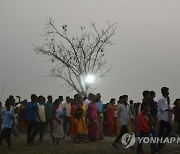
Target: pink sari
93, 126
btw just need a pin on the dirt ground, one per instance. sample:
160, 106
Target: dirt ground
67, 146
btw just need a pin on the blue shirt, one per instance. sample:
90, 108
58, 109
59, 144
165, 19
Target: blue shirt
7, 120
100, 106
32, 111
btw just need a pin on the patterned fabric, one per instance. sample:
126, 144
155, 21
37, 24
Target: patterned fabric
93, 124
22, 119
57, 127
82, 131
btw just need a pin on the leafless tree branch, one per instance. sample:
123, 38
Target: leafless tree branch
73, 58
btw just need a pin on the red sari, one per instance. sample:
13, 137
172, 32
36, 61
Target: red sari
110, 116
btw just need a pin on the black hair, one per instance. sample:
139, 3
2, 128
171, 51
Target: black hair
164, 90
145, 93
143, 105
90, 95
175, 102
136, 105
68, 97
76, 96
7, 102
56, 101
49, 96
124, 96
11, 96
131, 101
33, 95
112, 100
152, 93
120, 97
60, 98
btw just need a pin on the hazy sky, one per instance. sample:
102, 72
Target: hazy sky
145, 55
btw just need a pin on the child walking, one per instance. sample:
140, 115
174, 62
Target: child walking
145, 128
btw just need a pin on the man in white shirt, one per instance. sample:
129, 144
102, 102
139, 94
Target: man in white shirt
124, 116
88, 100
42, 117
165, 127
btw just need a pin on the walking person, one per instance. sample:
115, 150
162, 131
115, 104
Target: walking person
32, 119
145, 128
163, 108
124, 116
42, 117
57, 122
93, 120
48, 110
81, 129
7, 121
110, 116
74, 103
177, 115
100, 115
170, 116
22, 117
153, 112
119, 102
15, 121
67, 119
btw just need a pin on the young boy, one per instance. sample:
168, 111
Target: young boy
7, 121
144, 128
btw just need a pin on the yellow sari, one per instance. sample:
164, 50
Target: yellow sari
82, 130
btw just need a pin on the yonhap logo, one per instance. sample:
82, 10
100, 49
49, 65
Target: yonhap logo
128, 140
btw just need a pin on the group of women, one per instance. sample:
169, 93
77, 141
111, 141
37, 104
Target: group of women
84, 120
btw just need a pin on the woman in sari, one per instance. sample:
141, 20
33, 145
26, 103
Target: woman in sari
73, 119
110, 116
57, 122
93, 124
81, 131
22, 117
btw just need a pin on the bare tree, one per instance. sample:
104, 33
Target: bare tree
76, 57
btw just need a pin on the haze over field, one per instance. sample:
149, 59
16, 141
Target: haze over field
145, 54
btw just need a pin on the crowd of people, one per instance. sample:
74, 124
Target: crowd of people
89, 119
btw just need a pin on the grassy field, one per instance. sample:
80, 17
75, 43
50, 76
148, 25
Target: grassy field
67, 146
